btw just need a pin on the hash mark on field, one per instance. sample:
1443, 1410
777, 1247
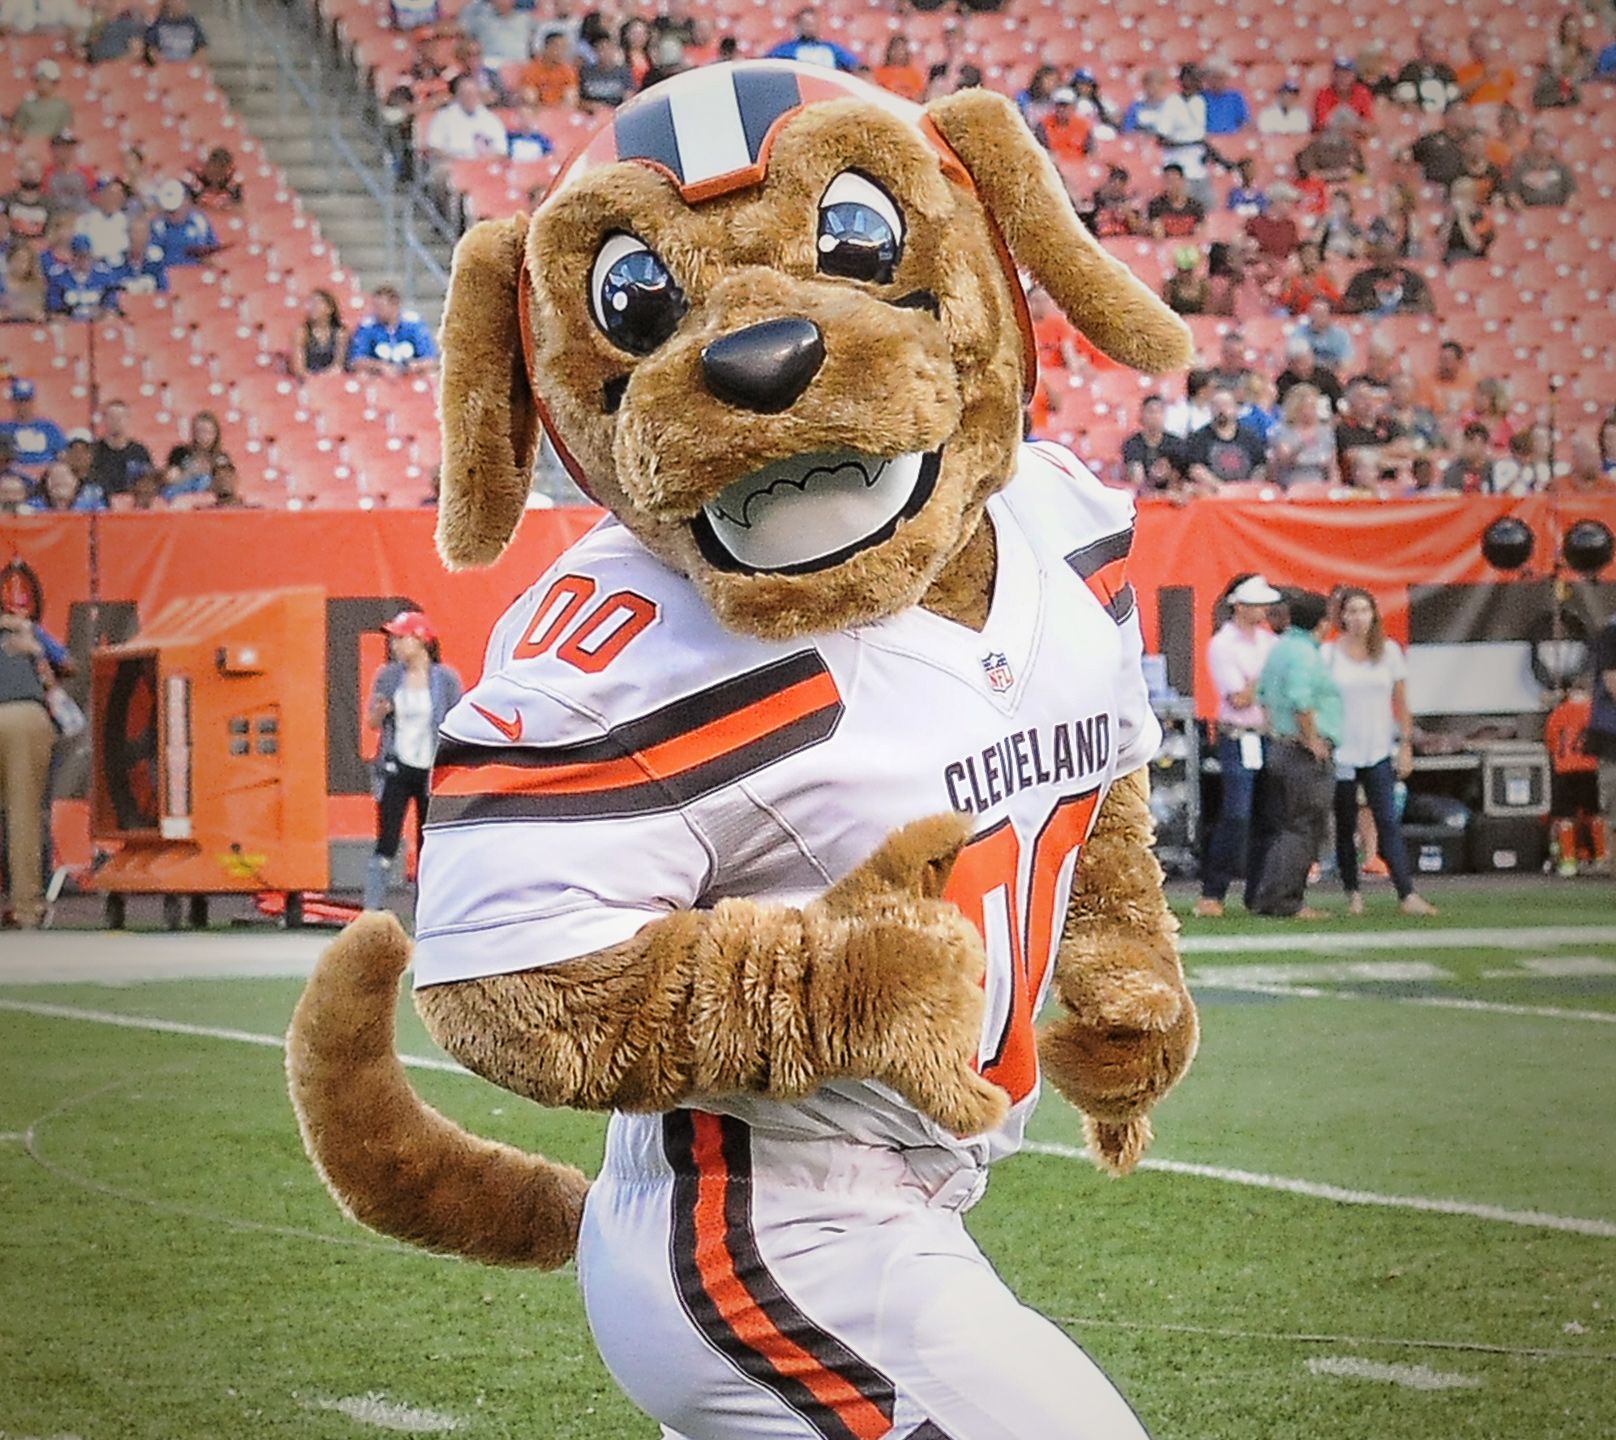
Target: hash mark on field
1412, 1377
383, 1414
14, 1136
1238, 977
1554, 967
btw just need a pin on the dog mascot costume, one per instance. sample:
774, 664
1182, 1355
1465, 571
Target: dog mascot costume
793, 788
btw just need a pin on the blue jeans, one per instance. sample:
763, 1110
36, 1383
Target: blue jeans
1379, 783
1240, 837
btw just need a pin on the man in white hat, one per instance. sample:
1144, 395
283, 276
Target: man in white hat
1235, 658
44, 113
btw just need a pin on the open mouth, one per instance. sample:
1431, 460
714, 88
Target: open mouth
811, 512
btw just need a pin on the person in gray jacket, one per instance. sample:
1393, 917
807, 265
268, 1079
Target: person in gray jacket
409, 699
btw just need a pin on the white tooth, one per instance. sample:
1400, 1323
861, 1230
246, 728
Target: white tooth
801, 509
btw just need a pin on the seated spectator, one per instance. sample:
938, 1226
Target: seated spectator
1427, 81
1304, 367
84, 287
1398, 224
106, 224
1231, 370
61, 492
224, 485
1333, 155
1489, 408
1305, 284
190, 464
809, 47
1446, 392
1181, 129
1035, 100
1194, 409
1556, 88
634, 37
1607, 442
145, 271
1345, 91
1259, 405
68, 180
1112, 209
1226, 110
117, 457
1286, 116
146, 492
1570, 49
1440, 152
35, 440
43, 112
1247, 198
1383, 363
466, 129
667, 59
1301, 448
1093, 106
321, 341
898, 72
1477, 167
1586, 477
1142, 114
505, 34
1471, 470
1384, 287
1605, 65
675, 19
1152, 460
1339, 236
550, 79
525, 136
213, 184
1175, 213
1485, 79
1508, 139
390, 342
22, 292
1416, 421
1187, 291
26, 205
1539, 176
1525, 469
1224, 451
413, 14
1232, 283
181, 231
1374, 71
138, 180
1063, 132
78, 454
1276, 232
1364, 425
36, 17
174, 35
467, 58
1466, 225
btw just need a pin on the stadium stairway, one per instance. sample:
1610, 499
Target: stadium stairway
314, 124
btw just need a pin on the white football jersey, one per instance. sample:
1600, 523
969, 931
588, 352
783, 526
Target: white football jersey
625, 756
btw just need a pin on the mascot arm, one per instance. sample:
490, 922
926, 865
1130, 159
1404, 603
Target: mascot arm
1130, 1030
877, 979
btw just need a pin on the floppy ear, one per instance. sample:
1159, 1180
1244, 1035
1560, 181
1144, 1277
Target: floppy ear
1023, 192
485, 405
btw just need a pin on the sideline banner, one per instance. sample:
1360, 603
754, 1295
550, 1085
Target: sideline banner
373, 563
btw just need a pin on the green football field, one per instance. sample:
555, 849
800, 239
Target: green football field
1382, 1205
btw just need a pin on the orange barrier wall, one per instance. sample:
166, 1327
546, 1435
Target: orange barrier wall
371, 563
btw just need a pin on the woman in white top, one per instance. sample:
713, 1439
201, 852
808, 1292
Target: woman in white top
1375, 750
409, 699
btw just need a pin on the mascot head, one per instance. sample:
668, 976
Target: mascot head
770, 318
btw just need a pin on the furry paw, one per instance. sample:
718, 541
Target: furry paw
1117, 1148
897, 980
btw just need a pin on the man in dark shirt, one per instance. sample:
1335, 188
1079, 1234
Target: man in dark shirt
1225, 450
605, 81
1231, 370
1383, 287
1174, 213
174, 34
117, 457
1440, 153
1153, 460
1364, 425
1471, 471
1303, 368
1427, 80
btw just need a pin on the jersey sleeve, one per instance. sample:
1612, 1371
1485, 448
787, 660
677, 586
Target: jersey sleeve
1100, 523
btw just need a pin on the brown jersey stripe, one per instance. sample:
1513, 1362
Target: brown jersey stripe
731, 1297
1094, 557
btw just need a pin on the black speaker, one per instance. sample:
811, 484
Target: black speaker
126, 741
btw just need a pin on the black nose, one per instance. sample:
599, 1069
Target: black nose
765, 366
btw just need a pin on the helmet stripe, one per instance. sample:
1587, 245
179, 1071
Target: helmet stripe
707, 121
764, 95
645, 131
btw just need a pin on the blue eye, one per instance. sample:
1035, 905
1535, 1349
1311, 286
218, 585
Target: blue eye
636, 301
860, 230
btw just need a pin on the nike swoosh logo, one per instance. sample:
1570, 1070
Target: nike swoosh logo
510, 729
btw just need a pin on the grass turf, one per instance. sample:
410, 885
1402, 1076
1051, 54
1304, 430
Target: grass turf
171, 1270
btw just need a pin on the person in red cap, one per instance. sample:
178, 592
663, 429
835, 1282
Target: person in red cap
408, 701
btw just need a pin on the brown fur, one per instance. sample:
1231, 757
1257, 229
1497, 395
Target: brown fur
878, 979
1131, 1030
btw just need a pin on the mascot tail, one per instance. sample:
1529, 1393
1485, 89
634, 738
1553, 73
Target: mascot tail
392, 1162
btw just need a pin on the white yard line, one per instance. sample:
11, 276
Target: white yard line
1286, 940
102, 957
1317, 1190
1410, 1377
381, 1413
1534, 1219
1210, 980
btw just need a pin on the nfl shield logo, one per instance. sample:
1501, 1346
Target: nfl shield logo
997, 669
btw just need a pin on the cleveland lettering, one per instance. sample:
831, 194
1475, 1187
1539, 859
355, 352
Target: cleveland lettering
1069, 750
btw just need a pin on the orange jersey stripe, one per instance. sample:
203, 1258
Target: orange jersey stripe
656, 762
1107, 580
742, 1313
